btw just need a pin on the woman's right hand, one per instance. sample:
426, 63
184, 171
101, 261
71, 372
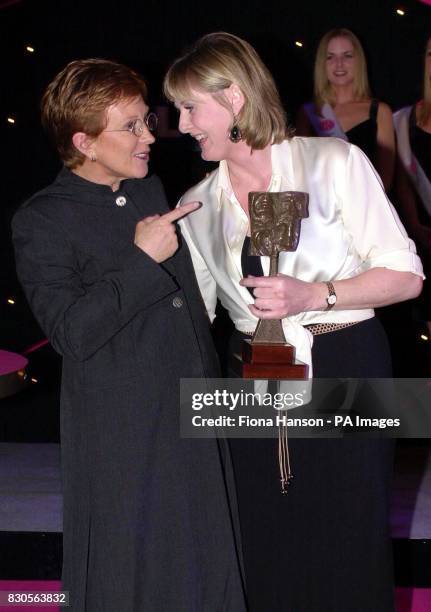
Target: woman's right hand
157, 236
281, 296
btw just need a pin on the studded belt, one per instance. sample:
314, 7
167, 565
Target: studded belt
320, 328
324, 328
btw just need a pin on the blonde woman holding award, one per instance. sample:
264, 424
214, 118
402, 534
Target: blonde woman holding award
324, 546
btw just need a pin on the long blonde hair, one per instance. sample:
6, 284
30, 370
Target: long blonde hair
323, 90
215, 62
424, 110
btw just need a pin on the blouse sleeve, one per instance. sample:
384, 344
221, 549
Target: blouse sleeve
206, 282
377, 233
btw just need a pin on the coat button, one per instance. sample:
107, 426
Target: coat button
121, 201
177, 302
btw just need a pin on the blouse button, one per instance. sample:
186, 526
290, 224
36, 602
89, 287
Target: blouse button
121, 201
177, 302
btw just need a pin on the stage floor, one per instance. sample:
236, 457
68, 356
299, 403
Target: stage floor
30, 490
31, 518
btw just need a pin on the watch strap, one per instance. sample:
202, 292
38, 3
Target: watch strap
331, 298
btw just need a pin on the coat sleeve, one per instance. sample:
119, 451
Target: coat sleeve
78, 317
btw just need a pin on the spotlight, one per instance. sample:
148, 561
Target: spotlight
424, 337
29, 49
11, 120
298, 43
11, 301
401, 12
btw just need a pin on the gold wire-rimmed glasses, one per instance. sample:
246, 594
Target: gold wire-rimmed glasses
137, 126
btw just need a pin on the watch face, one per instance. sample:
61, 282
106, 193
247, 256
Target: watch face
331, 299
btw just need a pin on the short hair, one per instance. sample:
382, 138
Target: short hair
424, 111
78, 98
215, 62
323, 91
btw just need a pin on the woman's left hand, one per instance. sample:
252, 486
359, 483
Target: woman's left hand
280, 296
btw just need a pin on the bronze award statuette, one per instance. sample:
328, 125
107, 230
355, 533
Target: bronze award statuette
275, 220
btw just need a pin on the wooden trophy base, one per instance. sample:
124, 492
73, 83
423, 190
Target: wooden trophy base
269, 362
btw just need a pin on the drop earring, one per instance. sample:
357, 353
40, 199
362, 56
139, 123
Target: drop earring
92, 156
235, 132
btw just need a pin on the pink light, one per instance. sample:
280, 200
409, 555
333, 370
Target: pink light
11, 362
426, 2
5, 3
35, 347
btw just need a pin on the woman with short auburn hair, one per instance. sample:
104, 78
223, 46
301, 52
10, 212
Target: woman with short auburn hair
99, 258
70, 105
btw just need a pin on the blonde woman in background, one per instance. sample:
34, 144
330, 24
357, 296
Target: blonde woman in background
343, 105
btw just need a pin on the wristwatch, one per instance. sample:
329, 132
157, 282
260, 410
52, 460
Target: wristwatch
331, 298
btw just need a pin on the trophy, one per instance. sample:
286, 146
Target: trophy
275, 220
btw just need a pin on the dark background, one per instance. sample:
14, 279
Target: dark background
148, 35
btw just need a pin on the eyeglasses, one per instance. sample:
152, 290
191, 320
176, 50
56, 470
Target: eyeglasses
137, 126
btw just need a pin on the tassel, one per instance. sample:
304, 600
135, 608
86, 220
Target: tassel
286, 475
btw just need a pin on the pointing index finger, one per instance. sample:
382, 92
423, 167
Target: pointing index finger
180, 212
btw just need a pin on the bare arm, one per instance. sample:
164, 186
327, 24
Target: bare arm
282, 296
407, 200
385, 155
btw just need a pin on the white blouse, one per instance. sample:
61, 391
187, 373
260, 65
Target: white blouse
351, 228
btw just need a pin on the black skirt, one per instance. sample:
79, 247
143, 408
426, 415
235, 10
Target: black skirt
325, 546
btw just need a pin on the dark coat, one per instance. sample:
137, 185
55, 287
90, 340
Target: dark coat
146, 516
